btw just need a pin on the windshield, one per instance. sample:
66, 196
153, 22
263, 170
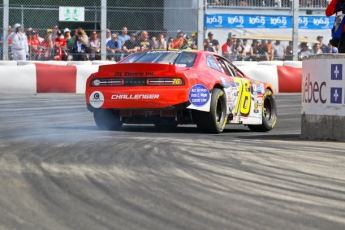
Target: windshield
180, 58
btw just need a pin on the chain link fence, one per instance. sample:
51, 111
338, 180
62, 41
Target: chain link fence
156, 17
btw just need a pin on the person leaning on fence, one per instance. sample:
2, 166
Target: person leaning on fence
113, 49
80, 42
288, 56
239, 51
34, 43
194, 36
228, 49
179, 40
95, 47
254, 51
305, 51
131, 45
144, 42
170, 44
208, 46
330, 49
19, 45
337, 7
123, 37
278, 50
214, 42
46, 46
316, 49
60, 45
162, 44
69, 40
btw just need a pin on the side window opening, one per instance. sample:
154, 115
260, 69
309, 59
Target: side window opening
212, 63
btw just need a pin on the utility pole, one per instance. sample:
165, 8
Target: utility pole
295, 16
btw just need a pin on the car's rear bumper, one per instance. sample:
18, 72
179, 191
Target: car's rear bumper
136, 98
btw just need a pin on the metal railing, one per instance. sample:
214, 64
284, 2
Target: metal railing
304, 4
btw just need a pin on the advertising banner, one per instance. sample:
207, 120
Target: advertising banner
266, 21
323, 87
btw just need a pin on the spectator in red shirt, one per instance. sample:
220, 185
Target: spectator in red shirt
47, 46
60, 45
34, 44
179, 40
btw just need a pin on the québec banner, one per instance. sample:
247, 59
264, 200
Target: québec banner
266, 21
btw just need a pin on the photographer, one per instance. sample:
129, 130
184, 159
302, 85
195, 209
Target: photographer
337, 7
19, 40
80, 44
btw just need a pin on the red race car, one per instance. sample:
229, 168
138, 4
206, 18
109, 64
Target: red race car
171, 88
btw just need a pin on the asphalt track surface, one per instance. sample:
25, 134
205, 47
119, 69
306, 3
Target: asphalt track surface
58, 171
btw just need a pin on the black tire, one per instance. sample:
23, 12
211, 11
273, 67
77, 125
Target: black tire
215, 120
269, 114
107, 119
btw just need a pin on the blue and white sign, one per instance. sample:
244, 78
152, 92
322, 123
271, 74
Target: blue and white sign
336, 72
199, 95
336, 95
266, 21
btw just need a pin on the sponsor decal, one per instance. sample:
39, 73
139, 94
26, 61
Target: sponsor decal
96, 99
134, 96
199, 95
336, 95
312, 91
133, 74
336, 72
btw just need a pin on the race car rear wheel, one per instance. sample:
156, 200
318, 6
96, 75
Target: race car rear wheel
269, 114
215, 120
107, 119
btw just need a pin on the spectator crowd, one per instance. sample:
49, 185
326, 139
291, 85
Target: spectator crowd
63, 44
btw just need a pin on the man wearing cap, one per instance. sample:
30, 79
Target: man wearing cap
131, 45
113, 49
80, 41
19, 45
34, 44
60, 45
194, 36
214, 42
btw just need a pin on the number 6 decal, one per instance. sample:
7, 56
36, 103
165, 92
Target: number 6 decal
243, 100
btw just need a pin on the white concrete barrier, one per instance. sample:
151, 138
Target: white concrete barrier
83, 72
245, 63
97, 62
79, 63
62, 63
28, 62
18, 79
8, 63
276, 63
297, 64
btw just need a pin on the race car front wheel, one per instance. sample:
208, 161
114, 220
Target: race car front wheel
107, 119
269, 114
215, 120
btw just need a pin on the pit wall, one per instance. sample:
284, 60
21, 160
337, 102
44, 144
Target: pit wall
70, 76
323, 97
